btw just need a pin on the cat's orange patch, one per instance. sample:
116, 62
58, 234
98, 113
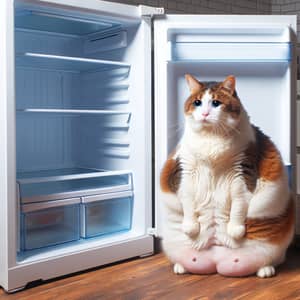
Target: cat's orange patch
270, 166
273, 230
231, 103
170, 176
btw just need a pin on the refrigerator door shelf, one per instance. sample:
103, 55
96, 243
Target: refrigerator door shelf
69, 186
66, 63
241, 32
187, 51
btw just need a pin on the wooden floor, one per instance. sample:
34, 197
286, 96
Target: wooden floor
152, 278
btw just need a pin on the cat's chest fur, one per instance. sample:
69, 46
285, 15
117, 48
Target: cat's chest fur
208, 150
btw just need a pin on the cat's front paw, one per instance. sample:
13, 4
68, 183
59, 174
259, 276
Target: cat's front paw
190, 228
179, 269
236, 231
265, 272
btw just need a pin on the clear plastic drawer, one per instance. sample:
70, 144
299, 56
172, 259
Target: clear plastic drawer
49, 223
106, 214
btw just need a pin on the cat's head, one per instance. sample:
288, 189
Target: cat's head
212, 106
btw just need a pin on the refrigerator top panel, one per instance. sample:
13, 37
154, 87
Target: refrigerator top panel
67, 13
58, 23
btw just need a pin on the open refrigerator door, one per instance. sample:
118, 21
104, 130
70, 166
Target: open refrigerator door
258, 50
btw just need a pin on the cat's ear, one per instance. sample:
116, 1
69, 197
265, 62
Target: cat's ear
229, 84
193, 83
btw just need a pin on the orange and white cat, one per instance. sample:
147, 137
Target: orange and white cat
227, 203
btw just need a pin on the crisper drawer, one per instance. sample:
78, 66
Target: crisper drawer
49, 223
106, 214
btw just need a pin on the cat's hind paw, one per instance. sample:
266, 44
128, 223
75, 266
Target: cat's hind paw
236, 231
265, 272
191, 228
179, 269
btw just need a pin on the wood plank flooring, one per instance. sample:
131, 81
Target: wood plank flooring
152, 278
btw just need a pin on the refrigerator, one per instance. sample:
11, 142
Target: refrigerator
92, 97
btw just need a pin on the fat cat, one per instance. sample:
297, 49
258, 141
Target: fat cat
227, 203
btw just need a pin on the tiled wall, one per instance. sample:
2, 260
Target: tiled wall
287, 7
208, 6
225, 6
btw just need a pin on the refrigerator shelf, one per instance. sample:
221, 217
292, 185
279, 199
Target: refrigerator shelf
66, 63
74, 111
64, 174
51, 185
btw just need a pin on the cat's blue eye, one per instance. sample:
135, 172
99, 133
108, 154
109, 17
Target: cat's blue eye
216, 103
197, 102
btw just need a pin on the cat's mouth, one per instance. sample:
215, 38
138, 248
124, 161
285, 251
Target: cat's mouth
205, 121
202, 123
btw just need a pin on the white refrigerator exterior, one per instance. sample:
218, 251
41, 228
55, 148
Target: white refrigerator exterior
71, 116
50, 78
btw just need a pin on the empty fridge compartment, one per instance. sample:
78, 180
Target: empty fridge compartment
69, 183
49, 223
106, 214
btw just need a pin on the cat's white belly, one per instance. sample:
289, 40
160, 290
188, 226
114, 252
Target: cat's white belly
212, 206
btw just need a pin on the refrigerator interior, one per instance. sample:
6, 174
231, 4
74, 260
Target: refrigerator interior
81, 123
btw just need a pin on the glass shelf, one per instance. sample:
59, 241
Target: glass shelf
73, 111
65, 63
50, 185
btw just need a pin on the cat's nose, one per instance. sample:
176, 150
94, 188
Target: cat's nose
205, 114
